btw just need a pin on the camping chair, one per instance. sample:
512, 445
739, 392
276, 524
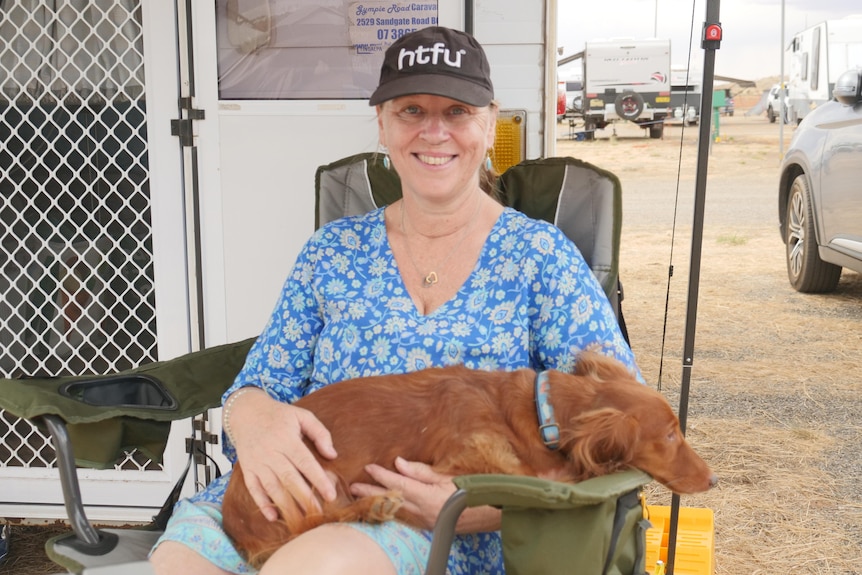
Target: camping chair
584, 201
103, 416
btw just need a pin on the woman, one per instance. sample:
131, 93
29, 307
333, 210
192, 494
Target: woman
444, 276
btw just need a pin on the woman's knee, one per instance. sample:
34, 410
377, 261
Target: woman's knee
171, 558
330, 549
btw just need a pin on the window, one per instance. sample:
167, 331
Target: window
815, 59
309, 49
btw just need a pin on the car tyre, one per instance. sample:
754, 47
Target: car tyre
629, 105
805, 270
770, 114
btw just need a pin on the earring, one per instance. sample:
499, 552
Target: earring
381, 149
488, 163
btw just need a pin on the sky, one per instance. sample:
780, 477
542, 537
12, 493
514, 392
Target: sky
751, 48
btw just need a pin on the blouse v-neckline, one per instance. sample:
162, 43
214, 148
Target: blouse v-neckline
457, 293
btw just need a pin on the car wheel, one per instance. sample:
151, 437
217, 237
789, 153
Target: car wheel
805, 270
771, 115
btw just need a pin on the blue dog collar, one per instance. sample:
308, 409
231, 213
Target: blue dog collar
548, 427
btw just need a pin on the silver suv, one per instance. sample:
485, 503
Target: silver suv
820, 191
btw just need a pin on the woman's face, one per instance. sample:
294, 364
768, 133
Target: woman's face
436, 144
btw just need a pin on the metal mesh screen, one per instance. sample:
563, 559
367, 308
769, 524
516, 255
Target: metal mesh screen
76, 273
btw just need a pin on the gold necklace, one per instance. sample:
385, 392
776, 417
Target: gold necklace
431, 277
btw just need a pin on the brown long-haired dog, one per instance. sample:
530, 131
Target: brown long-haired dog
462, 421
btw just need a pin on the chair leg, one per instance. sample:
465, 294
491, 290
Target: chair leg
88, 539
444, 532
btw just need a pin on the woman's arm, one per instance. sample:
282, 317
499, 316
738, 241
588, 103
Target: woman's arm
261, 427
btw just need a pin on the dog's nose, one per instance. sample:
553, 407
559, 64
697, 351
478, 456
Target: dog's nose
713, 480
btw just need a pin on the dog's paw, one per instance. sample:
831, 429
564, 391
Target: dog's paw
383, 507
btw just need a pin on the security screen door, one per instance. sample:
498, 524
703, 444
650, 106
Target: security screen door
86, 282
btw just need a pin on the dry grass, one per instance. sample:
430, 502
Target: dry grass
775, 401
27, 550
775, 392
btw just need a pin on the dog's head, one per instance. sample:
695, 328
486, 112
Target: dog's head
625, 424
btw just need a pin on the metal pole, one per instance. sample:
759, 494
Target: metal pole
711, 41
469, 14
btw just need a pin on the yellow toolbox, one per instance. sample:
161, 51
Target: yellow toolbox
695, 541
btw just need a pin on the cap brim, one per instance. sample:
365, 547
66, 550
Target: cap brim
436, 85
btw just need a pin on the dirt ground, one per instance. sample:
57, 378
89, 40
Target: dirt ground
775, 398
775, 392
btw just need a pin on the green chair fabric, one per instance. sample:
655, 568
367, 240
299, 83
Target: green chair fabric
93, 419
106, 415
593, 527
353, 185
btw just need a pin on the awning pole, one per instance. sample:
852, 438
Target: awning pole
710, 42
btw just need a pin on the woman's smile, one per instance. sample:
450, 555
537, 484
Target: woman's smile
434, 160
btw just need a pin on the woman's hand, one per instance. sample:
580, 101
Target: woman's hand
425, 491
268, 437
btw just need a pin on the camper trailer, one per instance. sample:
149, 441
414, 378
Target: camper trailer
627, 80
816, 57
151, 147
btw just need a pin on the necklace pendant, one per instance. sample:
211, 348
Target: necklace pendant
430, 279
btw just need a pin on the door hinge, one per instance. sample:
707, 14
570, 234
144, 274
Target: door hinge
184, 127
197, 444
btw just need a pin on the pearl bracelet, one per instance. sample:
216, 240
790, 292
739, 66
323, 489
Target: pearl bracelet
228, 407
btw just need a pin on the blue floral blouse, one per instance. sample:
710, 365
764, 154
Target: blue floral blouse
344, 312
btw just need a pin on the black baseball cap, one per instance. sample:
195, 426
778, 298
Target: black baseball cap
438, 61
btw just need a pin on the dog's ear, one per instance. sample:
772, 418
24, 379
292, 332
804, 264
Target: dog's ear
600, 441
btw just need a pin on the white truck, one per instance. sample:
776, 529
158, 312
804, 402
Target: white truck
627, 80
816, 57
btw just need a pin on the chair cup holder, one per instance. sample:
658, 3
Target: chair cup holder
134, 390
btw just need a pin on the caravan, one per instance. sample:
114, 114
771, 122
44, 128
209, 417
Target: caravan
685, 95
817, 56
627, 80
